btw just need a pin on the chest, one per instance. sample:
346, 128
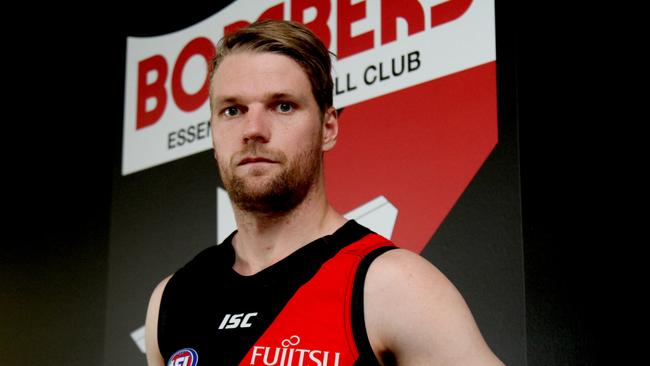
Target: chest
279, 320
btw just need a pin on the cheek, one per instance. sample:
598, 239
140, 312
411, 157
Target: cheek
309, 134
221, 150
220, 140
299, 142
221, 154
215, 134
222, 163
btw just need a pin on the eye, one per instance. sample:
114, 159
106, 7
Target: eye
284, 107
231, 111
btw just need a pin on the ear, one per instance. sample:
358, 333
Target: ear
330, 128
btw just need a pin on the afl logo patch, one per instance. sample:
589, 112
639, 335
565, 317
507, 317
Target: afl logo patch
184, 357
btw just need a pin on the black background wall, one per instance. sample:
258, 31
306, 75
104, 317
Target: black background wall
62, 143
563, 88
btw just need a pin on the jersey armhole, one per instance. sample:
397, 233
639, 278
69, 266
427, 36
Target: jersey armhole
366, 354
163, 346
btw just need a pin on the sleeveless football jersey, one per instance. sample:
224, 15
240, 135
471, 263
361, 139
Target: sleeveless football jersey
307, 309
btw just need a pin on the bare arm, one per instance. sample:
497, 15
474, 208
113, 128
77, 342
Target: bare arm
154, 358
415, 315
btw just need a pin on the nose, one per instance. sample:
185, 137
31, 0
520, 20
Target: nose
257, 126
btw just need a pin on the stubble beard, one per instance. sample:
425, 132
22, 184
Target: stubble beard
283, 192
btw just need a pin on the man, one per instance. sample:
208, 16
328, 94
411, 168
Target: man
297, 284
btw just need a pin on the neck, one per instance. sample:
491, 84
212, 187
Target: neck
264, 239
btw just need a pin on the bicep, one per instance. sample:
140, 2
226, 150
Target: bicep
415, 313
154, 358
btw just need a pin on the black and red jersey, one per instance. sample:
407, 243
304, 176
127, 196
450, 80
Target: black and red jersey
305, 310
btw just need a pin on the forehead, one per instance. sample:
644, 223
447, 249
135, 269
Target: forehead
250, 74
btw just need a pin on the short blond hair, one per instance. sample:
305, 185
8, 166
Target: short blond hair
287, 38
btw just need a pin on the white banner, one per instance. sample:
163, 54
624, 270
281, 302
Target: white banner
382, 47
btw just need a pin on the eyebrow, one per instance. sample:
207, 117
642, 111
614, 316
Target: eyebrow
267, 97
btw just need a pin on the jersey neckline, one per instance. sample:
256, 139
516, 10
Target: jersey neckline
321, 249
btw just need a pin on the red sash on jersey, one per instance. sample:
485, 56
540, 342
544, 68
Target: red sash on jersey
315, 328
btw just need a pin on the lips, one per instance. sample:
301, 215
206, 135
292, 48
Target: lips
254, 159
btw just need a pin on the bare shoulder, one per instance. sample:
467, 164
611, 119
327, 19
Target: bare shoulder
154, 358
417, 316
405, 265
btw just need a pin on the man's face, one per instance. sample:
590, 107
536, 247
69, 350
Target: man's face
267, 131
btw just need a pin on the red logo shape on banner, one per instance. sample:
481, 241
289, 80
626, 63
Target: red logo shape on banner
419, 147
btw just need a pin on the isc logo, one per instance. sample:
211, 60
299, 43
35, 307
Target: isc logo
231, 321
184, 357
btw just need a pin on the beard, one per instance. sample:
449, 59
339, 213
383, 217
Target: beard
283, 191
